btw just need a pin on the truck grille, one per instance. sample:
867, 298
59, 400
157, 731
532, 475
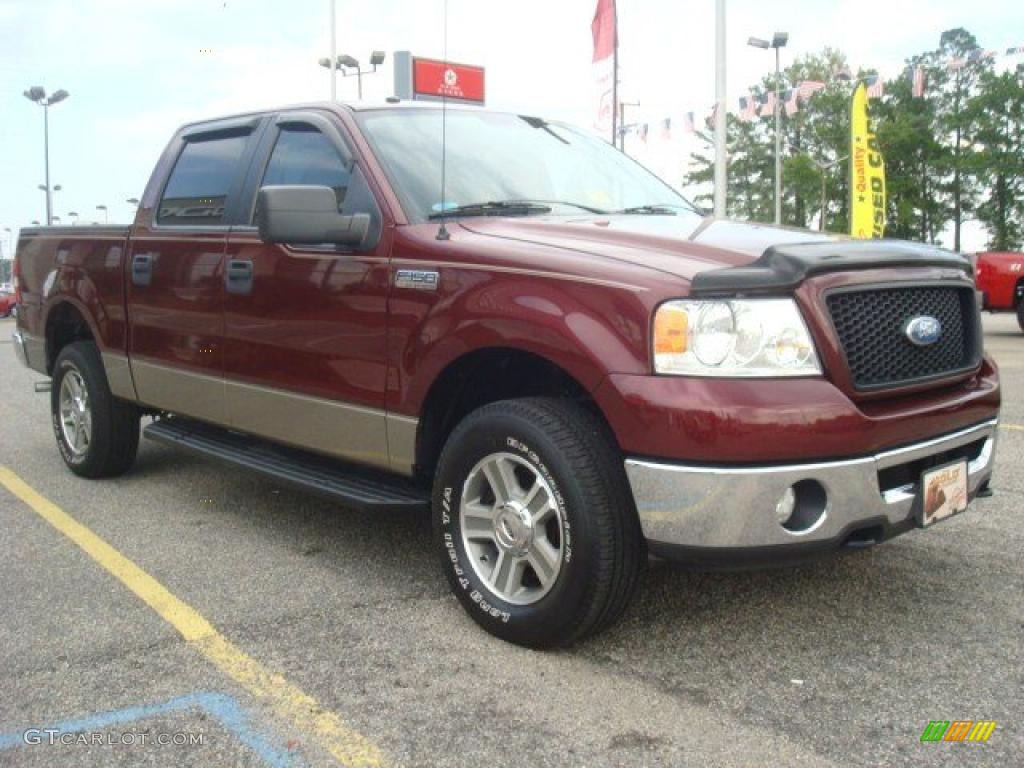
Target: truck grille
871, 328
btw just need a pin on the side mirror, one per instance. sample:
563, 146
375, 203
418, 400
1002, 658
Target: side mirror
307, 215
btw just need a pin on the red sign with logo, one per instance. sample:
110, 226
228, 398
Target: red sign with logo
434, 79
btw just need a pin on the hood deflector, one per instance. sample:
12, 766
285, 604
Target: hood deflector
783, 267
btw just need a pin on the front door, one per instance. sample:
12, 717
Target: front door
175, 272
305, 326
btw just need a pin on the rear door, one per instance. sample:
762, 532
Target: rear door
305, 326
175, 272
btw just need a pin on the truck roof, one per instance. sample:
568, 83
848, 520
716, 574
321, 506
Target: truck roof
362, 106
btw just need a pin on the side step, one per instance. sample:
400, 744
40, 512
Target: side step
352, 486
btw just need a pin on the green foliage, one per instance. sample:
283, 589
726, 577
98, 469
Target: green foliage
954, 154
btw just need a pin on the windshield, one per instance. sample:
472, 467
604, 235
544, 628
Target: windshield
496, 157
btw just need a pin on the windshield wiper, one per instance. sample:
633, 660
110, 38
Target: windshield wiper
493, 208
649, 210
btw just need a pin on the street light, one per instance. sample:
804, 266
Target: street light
106, 218
822, 169
778, 41
38, 94
340, 63
74, 216
55, 219
133, 201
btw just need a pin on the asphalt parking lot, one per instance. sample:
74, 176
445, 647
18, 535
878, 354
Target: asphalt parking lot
291, 632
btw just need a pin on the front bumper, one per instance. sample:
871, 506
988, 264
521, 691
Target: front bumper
727, 515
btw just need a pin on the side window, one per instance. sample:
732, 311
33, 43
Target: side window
303, 155
198, 187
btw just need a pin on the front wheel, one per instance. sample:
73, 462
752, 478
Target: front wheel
97, 434
535, 523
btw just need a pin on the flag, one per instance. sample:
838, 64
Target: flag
666, 128
604, 28
843, 74
767, 103
808, 88
876, 86
710, 120
791, 98
748, 109
867, 171
918, 82
688, 123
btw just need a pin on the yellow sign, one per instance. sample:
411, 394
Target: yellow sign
867, 171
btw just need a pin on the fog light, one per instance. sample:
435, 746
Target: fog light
786, 504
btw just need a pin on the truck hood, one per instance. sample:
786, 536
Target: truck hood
678, 245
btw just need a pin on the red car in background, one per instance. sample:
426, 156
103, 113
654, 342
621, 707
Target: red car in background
999, 275
6, 304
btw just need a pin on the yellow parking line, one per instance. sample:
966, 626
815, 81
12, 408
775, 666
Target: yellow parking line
287, 700
1014, 427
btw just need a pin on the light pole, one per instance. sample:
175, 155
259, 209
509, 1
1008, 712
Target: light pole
55, 219
38, 94
778, 42
73, 215
133, 201
106, 218
622, 122
49, 198
343, 61
823, 168
721, 161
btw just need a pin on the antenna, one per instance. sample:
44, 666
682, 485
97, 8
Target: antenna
442, 230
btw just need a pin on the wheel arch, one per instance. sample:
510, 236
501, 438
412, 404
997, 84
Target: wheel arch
66, 322
484, 376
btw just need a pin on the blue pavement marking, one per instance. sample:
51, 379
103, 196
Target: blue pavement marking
220, 705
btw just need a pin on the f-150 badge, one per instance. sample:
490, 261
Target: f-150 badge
418, 280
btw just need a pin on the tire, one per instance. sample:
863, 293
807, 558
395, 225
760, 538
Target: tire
1020, 314
582, 511
109, 427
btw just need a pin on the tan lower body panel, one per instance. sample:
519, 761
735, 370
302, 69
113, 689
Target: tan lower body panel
342, 430
119, 376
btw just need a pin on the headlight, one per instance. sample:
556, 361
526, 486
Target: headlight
744, 337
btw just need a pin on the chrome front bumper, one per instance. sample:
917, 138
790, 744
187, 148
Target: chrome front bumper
734, 508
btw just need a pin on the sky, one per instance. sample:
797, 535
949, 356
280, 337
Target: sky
137, 69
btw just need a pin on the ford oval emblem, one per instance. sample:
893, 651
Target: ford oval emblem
923, 330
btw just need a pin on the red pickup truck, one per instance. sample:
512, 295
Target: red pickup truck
999, 276
560, 357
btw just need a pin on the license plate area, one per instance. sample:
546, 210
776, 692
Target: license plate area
943, 493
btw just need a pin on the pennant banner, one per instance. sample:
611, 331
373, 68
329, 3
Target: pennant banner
867, 171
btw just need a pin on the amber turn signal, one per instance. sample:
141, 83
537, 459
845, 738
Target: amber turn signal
671, 324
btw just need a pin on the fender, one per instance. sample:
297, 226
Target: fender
586, 331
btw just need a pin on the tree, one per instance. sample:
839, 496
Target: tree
997, 115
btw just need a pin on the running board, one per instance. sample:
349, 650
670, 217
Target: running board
356, 487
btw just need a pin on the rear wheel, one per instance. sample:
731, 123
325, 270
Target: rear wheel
98, 435
534, 521
1020, 314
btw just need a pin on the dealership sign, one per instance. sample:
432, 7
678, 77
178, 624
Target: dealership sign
422, 79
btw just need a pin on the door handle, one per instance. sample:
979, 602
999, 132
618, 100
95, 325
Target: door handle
142, 269
238, 277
